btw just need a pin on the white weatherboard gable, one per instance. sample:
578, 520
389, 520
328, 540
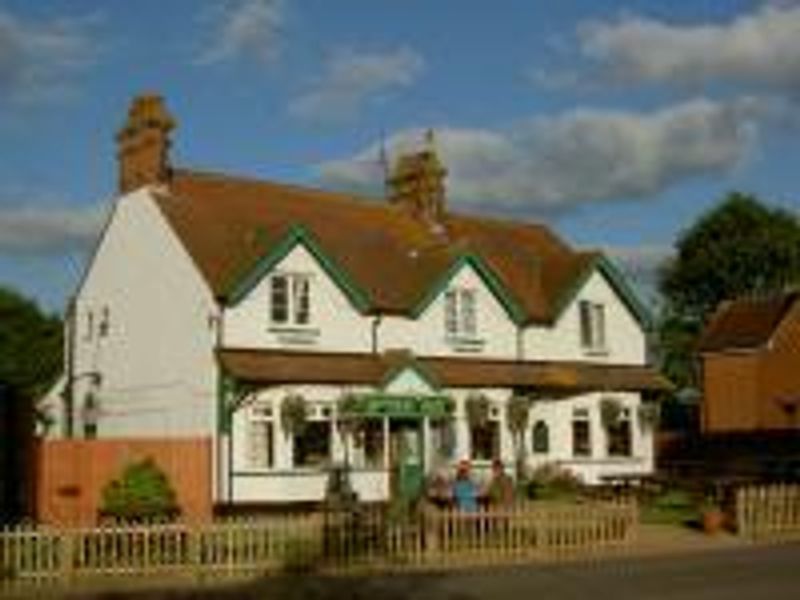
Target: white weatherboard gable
625, 338
408, 380
496, 335
336, 325
156, 360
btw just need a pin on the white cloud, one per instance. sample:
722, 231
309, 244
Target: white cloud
642, 264
351, 78
48, 230
580, 156
760, 48
38, 60
248, 29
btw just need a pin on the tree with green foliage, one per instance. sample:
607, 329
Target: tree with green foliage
739, 247
142, 493
30, 346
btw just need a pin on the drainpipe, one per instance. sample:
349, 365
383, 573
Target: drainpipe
68, 394
520, 343
376, 322
224, 491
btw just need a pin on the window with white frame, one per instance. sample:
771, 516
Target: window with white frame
312, 444
581, 433
618, 435
369, 444
260, 433
290, 299
593, 325
485, 437
460, 312
541, 438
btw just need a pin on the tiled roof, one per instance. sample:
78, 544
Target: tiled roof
746, 323
228, 223
283, 367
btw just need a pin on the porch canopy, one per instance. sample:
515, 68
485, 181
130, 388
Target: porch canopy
398, 406
274, 367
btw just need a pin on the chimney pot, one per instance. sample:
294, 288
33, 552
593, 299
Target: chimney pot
416, 183
143, 143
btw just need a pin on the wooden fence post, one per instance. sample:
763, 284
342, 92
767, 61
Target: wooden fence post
66, 558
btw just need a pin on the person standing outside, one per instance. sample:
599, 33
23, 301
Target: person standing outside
465, 492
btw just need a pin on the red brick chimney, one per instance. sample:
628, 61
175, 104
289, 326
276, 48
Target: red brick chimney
417, 183
143, 144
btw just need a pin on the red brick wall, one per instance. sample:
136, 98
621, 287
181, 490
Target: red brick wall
73, 473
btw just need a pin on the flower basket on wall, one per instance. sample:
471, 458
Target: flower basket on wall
449, 412
294, 414
518, 413
348, 421
649, 415
610, 412
477, 409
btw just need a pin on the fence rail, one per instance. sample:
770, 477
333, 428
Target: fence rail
369, 537
771, 512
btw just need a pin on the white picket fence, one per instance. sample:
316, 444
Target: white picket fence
369, 538
768, 512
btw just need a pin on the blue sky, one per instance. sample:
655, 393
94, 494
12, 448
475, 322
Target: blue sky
615, 122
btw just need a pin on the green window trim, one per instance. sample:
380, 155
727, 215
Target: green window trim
297, 235
486, 274
600, 263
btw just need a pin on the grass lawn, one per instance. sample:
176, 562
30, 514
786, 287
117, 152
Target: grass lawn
673, 507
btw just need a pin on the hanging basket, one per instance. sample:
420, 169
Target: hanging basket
649, 415
477, 408
610, 412
348, 420
518, 413
449, 412
294, 414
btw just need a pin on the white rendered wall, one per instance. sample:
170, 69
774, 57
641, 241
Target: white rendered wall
625, 340
496, 332
557, 414
283, 482
156, 361
336, 325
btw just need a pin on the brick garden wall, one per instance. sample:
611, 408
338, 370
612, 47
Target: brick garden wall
73, 473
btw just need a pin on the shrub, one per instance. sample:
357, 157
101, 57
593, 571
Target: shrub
142, 493
551, 482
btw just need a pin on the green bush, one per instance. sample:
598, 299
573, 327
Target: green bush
142, 493
550, 482
673, 506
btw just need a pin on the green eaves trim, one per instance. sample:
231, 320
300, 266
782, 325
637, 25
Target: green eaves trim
488, 276
618, 281
298, 235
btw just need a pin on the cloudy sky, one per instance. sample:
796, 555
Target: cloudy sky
616, 122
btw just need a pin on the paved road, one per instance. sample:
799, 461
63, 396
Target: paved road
766, 573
